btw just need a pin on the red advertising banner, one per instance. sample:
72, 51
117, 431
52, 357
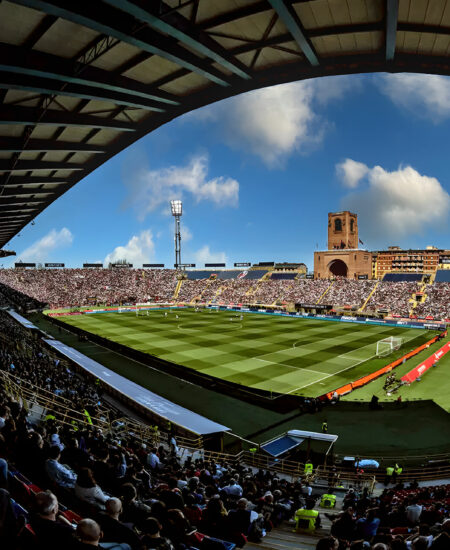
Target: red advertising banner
418, 371
387, 368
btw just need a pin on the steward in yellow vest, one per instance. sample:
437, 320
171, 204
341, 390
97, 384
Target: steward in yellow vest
328, 500
308, 468
389, 472
307, 520
397, 471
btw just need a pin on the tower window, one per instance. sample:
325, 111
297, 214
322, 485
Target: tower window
352, 223
337, 224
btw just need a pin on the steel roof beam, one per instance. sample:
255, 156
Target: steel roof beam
12, 144
391, 28
20, 201
34, 180
21, 60
17, 209
25, 165
113, 22
8, 192
178, 27
16, 81
29, 115
289, 17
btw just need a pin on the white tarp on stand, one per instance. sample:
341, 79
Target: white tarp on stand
155, 403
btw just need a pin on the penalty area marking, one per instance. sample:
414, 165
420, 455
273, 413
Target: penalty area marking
349, 367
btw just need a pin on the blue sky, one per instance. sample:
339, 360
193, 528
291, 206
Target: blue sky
259, 173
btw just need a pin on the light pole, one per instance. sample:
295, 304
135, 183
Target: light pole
177, 211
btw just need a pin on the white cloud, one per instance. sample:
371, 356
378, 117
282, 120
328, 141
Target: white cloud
423, 94
186, 234
204, 255
351, 172
139, 249
274, 122
393, 205
151, 189
41, 249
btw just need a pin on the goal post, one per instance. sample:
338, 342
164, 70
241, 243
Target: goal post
388, 345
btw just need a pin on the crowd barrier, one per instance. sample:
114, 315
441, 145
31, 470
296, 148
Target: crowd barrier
369, 377
417, 372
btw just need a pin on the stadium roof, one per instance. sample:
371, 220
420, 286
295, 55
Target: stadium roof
80, 81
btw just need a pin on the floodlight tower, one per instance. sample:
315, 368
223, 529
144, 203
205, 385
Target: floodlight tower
177, 211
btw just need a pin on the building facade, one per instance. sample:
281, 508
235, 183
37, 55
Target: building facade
344, 259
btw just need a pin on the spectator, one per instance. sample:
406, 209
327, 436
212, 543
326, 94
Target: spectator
152, 538
413, 512
113, 529
87, 490
52, 530
59, 474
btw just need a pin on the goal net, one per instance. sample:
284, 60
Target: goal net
388, 345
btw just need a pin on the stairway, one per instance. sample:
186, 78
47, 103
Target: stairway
283, 537
219, 291
177, 289
324, 293
368, 297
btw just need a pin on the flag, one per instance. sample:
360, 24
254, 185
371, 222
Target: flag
360, 241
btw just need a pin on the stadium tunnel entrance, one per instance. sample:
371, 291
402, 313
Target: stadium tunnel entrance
338, 268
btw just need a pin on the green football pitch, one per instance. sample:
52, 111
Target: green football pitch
277, 354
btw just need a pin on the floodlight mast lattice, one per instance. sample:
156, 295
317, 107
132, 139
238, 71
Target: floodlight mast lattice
177, 211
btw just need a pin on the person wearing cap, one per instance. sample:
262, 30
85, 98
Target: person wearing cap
307, 520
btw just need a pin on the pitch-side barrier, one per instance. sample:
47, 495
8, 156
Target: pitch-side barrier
418, 371
347, 388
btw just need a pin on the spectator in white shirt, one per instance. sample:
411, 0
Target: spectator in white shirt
153, 459
86, 489
413, 512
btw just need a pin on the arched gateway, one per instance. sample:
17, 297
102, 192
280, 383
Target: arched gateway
338, 268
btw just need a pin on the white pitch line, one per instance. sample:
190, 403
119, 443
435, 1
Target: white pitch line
347, 368
289, 366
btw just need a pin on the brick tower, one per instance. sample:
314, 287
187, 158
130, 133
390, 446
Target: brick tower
342, 230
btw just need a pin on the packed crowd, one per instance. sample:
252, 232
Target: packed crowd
401, 518
437, 302
29, 289
74, 287
393, 297
134, 497
347, 292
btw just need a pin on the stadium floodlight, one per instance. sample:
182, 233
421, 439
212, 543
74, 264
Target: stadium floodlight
177, 210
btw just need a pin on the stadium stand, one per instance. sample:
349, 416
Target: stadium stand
346, 292
283, 276
437, 302
194, 275
255, 274
33, 289
442, 276
136, 492
225, 275
402, 277
393, 296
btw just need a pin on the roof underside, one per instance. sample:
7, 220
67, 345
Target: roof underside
80, 81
